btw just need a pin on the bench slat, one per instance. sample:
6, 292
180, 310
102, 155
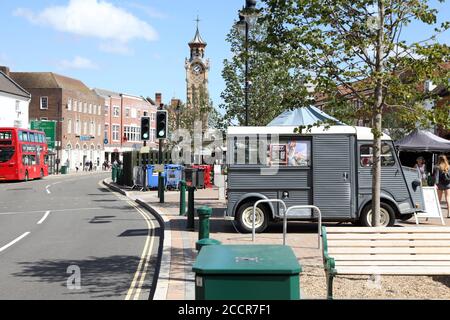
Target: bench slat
387, 229
393, 263
389, 236
388, 243
419, 250
390, 257
408, 270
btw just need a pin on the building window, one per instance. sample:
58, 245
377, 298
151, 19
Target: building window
85, 128
153, 116
44, 103
106, 109
152, 135
75, 104
85, 107
106, 131
69, 126
95, 109
116, 133
139, 113
92, 128
145, 114
90, 108
127, 112
69, 104
133, 134
99, 130
17, 106
116, 111
133, 113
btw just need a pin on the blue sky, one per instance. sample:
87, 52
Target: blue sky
140, 53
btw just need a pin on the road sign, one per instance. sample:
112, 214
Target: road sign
49, 127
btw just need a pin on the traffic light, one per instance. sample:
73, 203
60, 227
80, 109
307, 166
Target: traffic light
162, 127
145, 128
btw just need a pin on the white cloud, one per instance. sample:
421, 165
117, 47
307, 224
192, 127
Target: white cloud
92, 18
148, 10
77, 63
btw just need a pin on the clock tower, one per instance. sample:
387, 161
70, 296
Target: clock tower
197, 71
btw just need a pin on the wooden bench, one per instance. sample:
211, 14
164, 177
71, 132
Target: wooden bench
385, 251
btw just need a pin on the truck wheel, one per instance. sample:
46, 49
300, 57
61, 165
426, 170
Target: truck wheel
244, 218
387, 216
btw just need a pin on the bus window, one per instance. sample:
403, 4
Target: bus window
6, 154
32, 160
25, 161
41, 138
31, 137
6, 135
23, 136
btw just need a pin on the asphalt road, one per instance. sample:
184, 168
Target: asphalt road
70, 238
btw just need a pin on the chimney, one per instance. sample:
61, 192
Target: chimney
5, 70
158, 99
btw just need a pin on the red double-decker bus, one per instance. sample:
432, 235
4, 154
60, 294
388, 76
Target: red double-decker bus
23, 154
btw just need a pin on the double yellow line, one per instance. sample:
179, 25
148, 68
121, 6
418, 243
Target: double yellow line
135, 289
139, 277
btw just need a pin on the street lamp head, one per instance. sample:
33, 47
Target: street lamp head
241, 25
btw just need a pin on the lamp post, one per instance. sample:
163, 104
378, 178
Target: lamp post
247, 13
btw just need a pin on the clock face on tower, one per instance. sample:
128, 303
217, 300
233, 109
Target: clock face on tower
197, 69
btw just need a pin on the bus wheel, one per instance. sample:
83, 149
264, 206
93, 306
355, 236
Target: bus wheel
26, 176
244, 218
387, 216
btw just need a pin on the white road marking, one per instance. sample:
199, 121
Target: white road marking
60, 210
46, 189
44, 217
14, 241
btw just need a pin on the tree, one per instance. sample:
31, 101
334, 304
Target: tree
356, 47
274, 88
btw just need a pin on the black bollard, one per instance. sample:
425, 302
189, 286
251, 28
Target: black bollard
191, 209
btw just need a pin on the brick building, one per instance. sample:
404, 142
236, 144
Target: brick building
122, 128
77, 111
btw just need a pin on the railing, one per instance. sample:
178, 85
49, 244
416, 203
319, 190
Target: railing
286, 211
254, 215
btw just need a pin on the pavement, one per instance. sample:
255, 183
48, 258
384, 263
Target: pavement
68, 237
176, 279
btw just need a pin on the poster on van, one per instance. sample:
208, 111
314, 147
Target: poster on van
298, 153
277, 155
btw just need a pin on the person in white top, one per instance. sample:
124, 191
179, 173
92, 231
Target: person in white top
421, 167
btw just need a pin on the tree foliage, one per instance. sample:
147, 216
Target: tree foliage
274, 87
354, 50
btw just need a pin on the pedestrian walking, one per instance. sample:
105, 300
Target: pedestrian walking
90, 165
442, 179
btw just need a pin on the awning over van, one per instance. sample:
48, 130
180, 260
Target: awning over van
423, 141
302, 117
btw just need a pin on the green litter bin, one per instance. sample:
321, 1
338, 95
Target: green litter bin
63, 169
247, 272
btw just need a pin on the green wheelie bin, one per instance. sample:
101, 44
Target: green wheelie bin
247, 272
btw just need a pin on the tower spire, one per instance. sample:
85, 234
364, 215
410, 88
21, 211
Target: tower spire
198, 40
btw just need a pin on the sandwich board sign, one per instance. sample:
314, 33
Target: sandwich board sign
432, 205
